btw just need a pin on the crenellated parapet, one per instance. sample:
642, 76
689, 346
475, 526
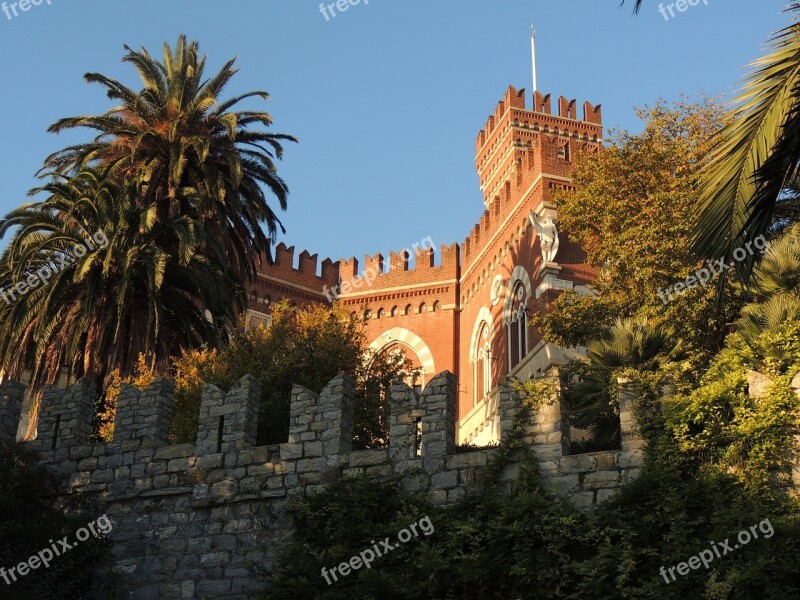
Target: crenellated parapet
228, 421
65, 418
217, 503
143, 416
372, 283
279, 278
513, 108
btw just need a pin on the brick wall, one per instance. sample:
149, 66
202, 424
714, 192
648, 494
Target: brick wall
524, 156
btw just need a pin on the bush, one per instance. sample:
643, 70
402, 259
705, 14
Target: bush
29, 519
529, 544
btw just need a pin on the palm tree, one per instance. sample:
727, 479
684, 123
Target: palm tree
763, 327
122, 295
756, 156
185, 151
629, 344
778, 271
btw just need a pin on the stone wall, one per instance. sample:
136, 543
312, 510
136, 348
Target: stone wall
191, 520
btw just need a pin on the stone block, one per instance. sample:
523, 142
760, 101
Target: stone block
578, 463
601, 479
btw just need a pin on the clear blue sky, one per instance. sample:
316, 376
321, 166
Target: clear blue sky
386, 98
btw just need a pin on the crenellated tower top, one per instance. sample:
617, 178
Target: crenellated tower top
519, 141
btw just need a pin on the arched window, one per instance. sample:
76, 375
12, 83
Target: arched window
381, 313
518, 326
407, 310
437, 306
422, 307
482, 369
395, 311
367, 314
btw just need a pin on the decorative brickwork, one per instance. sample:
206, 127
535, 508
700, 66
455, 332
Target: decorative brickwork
523, 157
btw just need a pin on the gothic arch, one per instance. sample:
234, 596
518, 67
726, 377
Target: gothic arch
519, 274
399, 335
484, 316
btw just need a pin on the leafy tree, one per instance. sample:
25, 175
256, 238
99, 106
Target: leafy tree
177, 182
778, 271
307, 346
632, 213
108, 291
591, 390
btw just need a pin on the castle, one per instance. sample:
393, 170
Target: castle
466, 310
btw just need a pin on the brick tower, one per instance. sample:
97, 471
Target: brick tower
466, 308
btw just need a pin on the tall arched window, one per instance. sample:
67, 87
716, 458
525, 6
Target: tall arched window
482, 370
518, 327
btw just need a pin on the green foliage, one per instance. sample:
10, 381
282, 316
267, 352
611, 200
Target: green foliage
757, 153
29, 519
725, 429
590, 387
638, 235
527, 544
177, 181
308, 347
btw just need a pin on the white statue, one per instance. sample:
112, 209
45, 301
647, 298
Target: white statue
548, 236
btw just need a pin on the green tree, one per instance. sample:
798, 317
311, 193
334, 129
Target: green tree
591, 390
30, 520
778, 271
127, 295
632, 213
177, 183
308, 347
186, 152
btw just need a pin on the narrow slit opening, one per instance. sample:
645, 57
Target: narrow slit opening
219, 433
56, 431
418, 438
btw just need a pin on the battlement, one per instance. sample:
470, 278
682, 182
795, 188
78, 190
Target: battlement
284, 261
512, 111
189, 518
376, 273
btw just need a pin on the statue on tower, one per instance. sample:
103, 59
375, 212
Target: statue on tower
548, 236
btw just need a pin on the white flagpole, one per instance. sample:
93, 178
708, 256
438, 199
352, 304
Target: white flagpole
533, 55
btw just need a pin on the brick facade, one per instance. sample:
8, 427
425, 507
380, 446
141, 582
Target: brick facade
435, 308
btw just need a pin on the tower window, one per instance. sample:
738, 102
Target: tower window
518, 327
